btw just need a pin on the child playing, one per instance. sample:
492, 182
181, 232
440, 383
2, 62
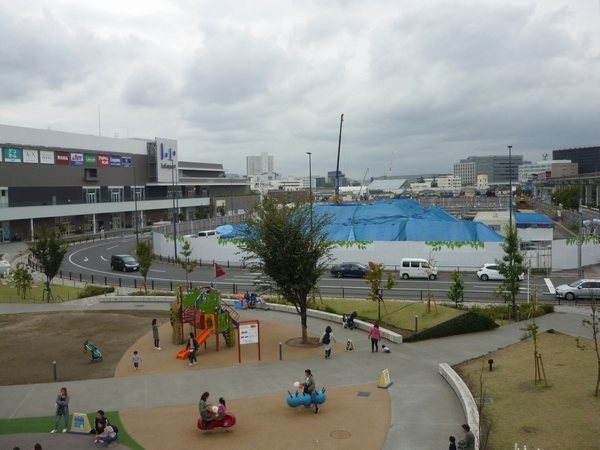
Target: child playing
136, 360
452, 443
344, 320
222, 408
385, 349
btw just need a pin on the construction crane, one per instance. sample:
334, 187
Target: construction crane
336, 193
391, 162
361, 186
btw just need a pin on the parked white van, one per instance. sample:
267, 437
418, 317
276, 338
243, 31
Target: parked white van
208, 233
417, 268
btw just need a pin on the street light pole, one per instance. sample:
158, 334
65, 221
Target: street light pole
174, 210
510, 185
135, 191
310, 196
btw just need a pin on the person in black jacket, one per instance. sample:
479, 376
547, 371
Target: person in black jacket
99, 423
193, 346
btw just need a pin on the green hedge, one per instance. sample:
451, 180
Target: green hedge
93, 291
469, 322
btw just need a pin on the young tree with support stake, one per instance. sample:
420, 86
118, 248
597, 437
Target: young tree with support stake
49, 249
511, 267
186, 263
145, 254
290, 242
375, 279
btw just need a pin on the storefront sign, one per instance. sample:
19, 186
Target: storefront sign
12, 154
30, 156
62, 158
77, 159
126, 161
103, 160
90, 160
115, 160
46, 157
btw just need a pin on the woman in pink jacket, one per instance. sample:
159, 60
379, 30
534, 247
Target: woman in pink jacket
375, 336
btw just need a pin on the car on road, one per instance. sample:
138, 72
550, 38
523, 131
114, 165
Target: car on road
584, 288
126, 263
349, 269
490, 272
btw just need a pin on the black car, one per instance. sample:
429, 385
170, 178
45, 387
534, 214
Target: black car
124, 262
350, 269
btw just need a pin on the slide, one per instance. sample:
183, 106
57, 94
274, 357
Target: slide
200, 339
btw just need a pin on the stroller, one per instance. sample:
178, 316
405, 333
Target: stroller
96, 355
350, 320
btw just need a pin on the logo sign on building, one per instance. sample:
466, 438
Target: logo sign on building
126, 161
103, 160
46, 157
115, 161
12, 154
62, 158
167, 160
77, 159
89, 159
30, 156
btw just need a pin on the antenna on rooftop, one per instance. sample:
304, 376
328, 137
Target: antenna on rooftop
545, 156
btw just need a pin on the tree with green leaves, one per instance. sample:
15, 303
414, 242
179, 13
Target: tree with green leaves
23, 279
145, 256
457, 289
222, 210
287, 242
511, 267
201, 212
375, 279
594, 325
49, 249
186, 263
569, 197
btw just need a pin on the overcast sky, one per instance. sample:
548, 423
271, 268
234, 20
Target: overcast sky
430, 81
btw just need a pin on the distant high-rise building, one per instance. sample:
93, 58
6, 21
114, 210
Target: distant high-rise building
587, 158
496, 167
466, 172
256, 165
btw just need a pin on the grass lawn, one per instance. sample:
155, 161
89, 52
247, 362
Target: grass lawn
44, 424
562, 415
9, 295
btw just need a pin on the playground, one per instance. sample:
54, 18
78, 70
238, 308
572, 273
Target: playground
259, 420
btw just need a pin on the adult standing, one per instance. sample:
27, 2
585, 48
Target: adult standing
311, 388
206, 414
327, 338
62, 409
155, 334
192, 345
375, 336
468, 442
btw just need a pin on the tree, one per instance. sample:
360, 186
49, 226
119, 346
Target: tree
200, 213
594, 325
434, 183
186, 263
145, 256
375, 279
511, 267
23, 279
569, 198
222, 210
290, 243
457, 288
421, 180
49, 250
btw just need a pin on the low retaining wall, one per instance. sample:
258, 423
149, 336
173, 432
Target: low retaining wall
336, 318
466, 398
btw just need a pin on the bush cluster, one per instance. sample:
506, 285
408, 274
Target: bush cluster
470, 322
93, 291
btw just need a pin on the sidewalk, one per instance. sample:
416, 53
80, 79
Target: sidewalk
417, 420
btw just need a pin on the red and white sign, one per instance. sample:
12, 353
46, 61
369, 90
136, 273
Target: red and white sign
63, 158
103, 160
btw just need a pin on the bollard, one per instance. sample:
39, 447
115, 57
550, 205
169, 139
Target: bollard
416, 323
54, 366
280, 351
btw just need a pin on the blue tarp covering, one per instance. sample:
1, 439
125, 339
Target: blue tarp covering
395, 220
533, 220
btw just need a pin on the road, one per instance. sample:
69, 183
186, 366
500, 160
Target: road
90, 262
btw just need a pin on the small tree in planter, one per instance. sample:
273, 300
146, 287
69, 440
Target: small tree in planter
375, 279
457, 289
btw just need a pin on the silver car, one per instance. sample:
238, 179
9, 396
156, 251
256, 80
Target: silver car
585, 288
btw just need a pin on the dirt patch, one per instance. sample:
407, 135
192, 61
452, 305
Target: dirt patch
312, 342
60, 337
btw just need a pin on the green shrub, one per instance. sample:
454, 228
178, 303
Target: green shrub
93, 291
329, 309
152, 294
469, 322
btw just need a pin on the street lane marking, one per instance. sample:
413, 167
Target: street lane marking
550, 285
102, 258
155, 270
114, 246
85, 259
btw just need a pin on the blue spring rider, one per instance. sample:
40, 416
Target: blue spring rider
304, 399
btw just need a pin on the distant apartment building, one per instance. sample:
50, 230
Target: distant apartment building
449, 183
256, 165
499, 168
547, 169
587, 158
331, 178
466, 172
482, 183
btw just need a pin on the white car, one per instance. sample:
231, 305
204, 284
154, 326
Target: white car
490, 272
585, 288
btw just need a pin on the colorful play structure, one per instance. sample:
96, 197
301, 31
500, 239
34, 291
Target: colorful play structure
302, 398
203, 310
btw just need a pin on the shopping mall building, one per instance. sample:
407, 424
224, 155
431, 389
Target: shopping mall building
90, 184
